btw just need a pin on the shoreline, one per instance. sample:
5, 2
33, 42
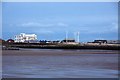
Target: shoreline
68, 47
55, 52
61, 46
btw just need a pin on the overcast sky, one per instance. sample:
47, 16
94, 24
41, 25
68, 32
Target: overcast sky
50, 21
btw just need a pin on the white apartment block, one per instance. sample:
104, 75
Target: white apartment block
22, 37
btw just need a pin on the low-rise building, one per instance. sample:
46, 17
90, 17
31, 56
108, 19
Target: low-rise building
104, 42
2, 41
100, 41
10, 40
69, 41
113, 41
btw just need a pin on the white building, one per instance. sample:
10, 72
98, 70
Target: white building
22, 37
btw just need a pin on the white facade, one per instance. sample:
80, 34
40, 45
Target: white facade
25, 37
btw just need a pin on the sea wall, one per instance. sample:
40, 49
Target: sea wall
65, 46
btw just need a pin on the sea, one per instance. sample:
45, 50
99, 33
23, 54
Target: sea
78, 65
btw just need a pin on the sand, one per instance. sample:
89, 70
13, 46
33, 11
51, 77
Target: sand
23, 52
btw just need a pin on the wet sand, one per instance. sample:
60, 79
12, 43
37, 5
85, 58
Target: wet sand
53, 52
40, 63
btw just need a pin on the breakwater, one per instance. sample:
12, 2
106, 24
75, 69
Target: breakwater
65, 46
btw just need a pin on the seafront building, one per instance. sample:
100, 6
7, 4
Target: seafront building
113, 41
104, 42
22, 37
69, 41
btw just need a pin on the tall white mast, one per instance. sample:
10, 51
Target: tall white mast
78, 37
66, 36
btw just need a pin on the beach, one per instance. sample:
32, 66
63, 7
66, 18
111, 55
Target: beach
29, 51
59, 63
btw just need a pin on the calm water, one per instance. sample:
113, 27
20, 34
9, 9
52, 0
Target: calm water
61, 66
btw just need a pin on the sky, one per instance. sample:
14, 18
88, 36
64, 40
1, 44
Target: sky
51, 20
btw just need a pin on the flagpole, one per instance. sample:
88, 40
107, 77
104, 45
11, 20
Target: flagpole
66, 35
